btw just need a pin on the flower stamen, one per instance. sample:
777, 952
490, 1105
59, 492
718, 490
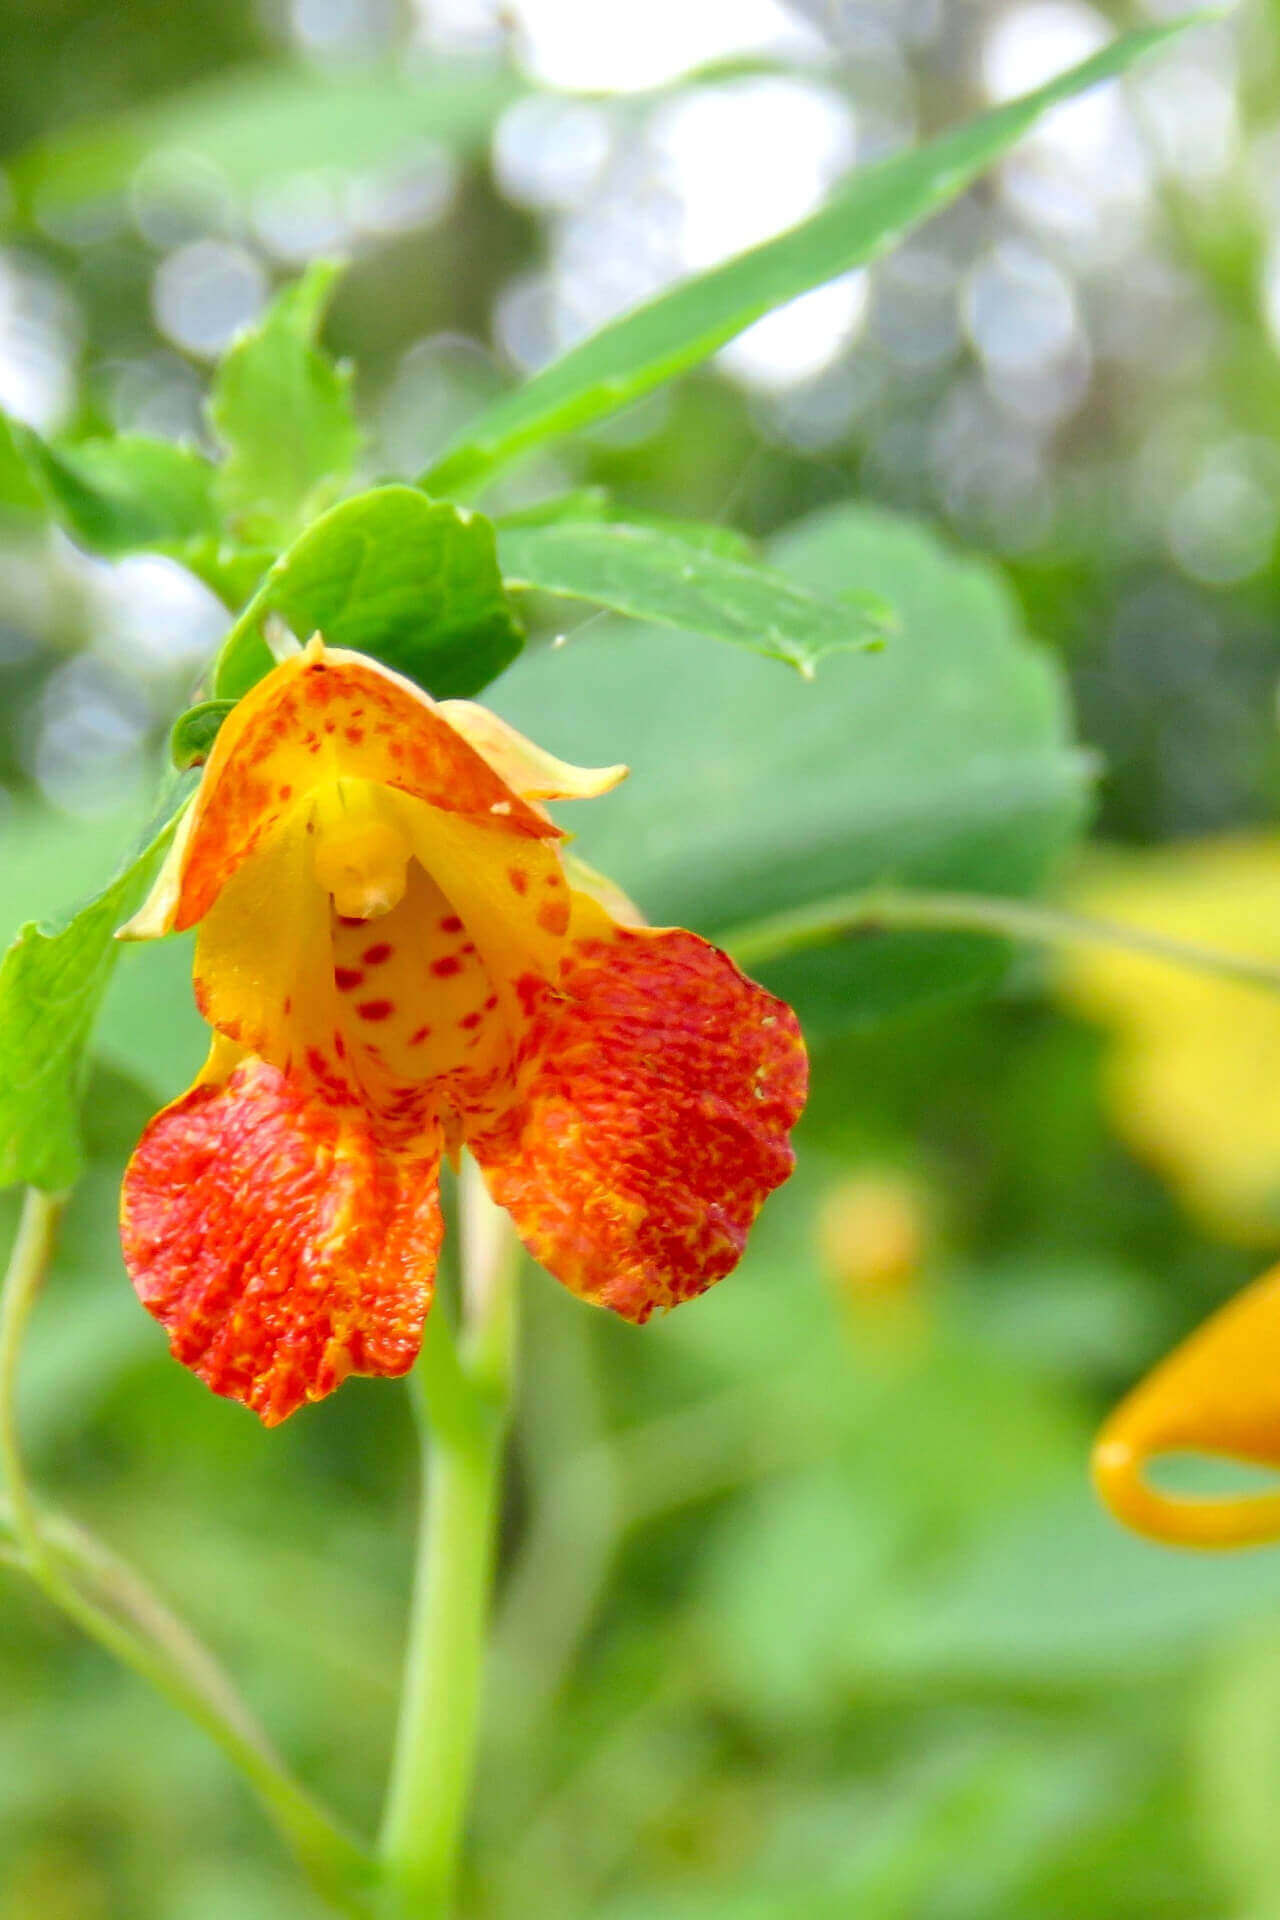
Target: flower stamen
362, 849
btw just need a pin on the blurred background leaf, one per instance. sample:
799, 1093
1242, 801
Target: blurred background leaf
944, 761
253, 126
283, 415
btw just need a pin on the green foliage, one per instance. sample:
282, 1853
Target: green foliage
195, 731
878, 207
412, 581
282, 411
52, 981
944, 761
595, 505
116, 496
658, 575
19, 493
252, 127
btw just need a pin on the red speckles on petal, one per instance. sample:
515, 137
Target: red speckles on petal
345, 978
660, 1091
530, 992
375, 956
375, 1009
446, 965
451, 924
296, 730
418, 1036
553, 916
518, 878
278, 1245
470, 1022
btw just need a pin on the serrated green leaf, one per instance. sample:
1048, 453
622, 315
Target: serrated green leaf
282, 410
676, 331
117, 496
257, 126
944, 761
596, 503
652, 574
579, 503
412, 581
195, 731
52, 980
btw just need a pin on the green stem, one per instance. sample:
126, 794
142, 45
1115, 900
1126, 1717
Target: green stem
464, 1391
886, 909
109, 1602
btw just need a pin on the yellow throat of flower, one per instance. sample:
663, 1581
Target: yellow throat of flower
361, 848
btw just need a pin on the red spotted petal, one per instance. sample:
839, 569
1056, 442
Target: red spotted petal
659, 1093
277, 1243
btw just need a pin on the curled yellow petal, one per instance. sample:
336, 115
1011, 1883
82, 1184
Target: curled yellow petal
156, 916
527, 769
1218, 1393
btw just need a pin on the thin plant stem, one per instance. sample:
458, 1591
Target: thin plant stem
463, 1389
110, 1603
892, 910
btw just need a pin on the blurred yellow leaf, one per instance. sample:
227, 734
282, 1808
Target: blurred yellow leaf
1193, 1079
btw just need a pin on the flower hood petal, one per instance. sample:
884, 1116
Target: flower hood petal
322, 716
528, 769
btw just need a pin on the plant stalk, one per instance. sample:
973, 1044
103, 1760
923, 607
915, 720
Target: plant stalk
894, 910
110, 1603
462, 1389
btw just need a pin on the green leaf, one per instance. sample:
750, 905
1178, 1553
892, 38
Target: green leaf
596, 504
116, 496
195, 731
232, 572
652, 574
52, 980
282, 410
679, 329
19, 493
1060, 1594
258, 126
580, 503
412, 581
944, 761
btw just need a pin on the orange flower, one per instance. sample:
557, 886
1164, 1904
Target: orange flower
1219, 1394
397, 960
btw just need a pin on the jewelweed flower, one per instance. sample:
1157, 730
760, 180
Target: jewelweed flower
397, 959
1215, 1394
